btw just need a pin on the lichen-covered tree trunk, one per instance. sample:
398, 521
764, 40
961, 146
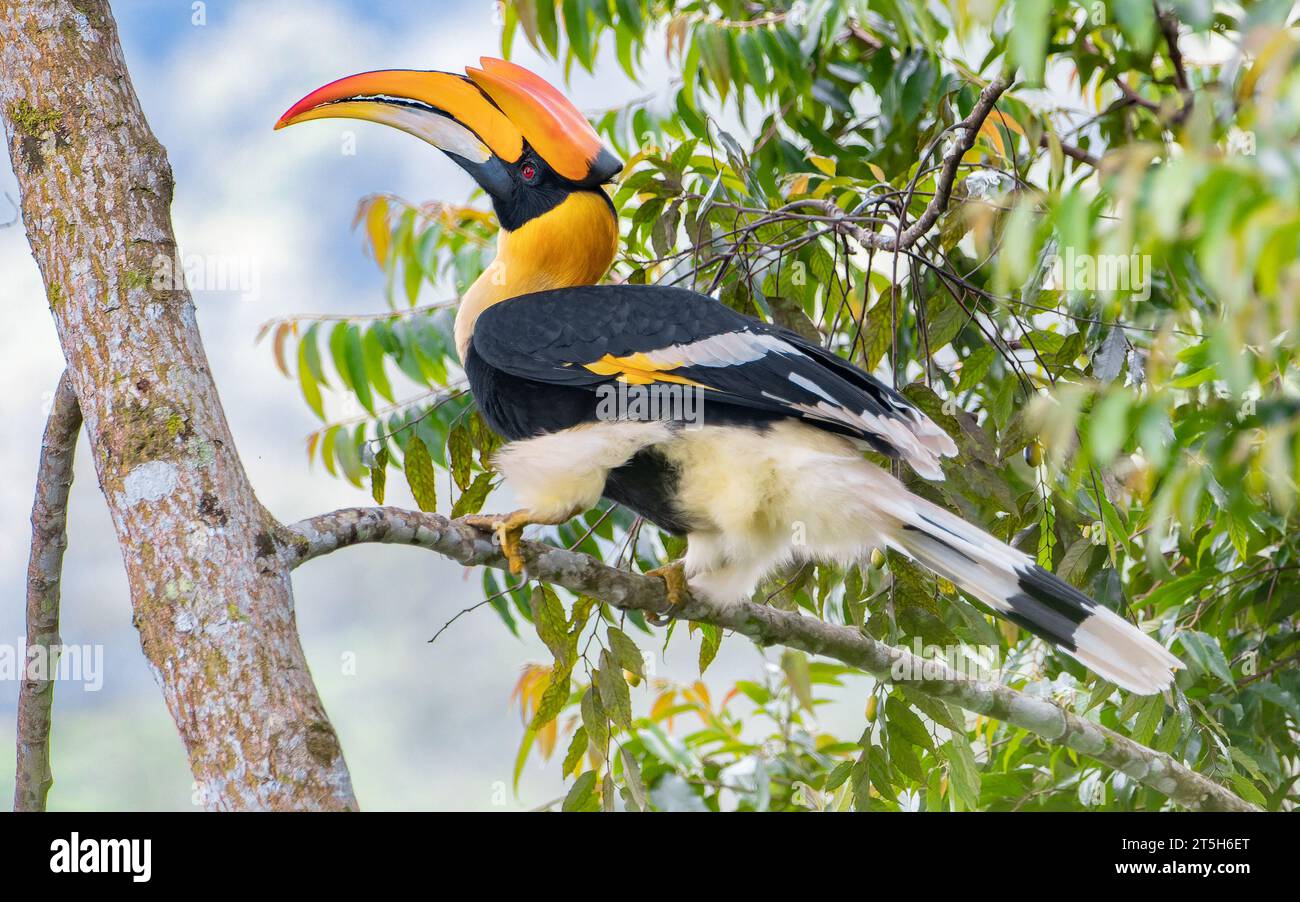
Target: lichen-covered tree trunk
218, 630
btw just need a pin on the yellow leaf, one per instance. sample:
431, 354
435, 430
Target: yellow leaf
1009, 122
1010, 632
377, 229
825, 164
676, 36
546, 737
990, 131
662, 704
636, 158
282, 332
533, 679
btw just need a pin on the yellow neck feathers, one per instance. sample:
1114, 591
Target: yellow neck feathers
570, 244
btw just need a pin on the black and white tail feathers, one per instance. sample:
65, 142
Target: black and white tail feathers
1017, 588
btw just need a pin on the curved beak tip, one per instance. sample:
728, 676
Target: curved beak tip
288, 117
605, 168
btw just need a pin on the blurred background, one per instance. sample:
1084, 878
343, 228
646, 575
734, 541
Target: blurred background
423, 726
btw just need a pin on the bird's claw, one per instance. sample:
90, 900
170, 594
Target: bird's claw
674, 577
508, 529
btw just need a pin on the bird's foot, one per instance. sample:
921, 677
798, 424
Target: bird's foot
674, 577
508, 529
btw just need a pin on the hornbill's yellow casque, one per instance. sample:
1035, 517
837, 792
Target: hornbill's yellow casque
775, 473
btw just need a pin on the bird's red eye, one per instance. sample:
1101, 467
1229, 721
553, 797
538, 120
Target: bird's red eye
528, 171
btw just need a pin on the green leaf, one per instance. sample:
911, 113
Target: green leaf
552, 624
595, 719
1137, 21
901, 718
547, 26
578, 30
347, 450
379, 475
1239, 535
963, 773
471, 500
902, 755
795, 666
838, 775
306, 373
877, 333
460, 450
419, 474
582, 609
626, 652
1108, 426
975, 367
607, 792
355, 361
1028, 38
636, 794
629, 15
521, 756
327, 450
311, 353
412, 278
936, 709
1206, 654
581, 795
1148, 720
338, 353
577, 748
374, 364
710, 642
614, 696
1247, 790
554, 697
945, 319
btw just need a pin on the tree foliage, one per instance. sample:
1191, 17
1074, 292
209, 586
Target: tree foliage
1103, 318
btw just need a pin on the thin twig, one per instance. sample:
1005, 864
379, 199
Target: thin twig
1075, 153
33, 779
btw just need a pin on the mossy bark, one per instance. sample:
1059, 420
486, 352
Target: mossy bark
218, 630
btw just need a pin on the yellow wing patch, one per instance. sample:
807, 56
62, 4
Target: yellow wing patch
638, 369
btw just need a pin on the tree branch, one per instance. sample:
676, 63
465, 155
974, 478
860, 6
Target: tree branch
220, 637
581, 573
1168, 20
1071, 151
33, 779
967, 133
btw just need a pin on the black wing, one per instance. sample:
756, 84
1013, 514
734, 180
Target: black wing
645, 334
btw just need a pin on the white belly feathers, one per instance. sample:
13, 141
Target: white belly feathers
761, 497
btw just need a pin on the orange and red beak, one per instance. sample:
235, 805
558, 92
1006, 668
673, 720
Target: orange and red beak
483, 122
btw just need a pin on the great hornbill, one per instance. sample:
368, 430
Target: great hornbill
775, 473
